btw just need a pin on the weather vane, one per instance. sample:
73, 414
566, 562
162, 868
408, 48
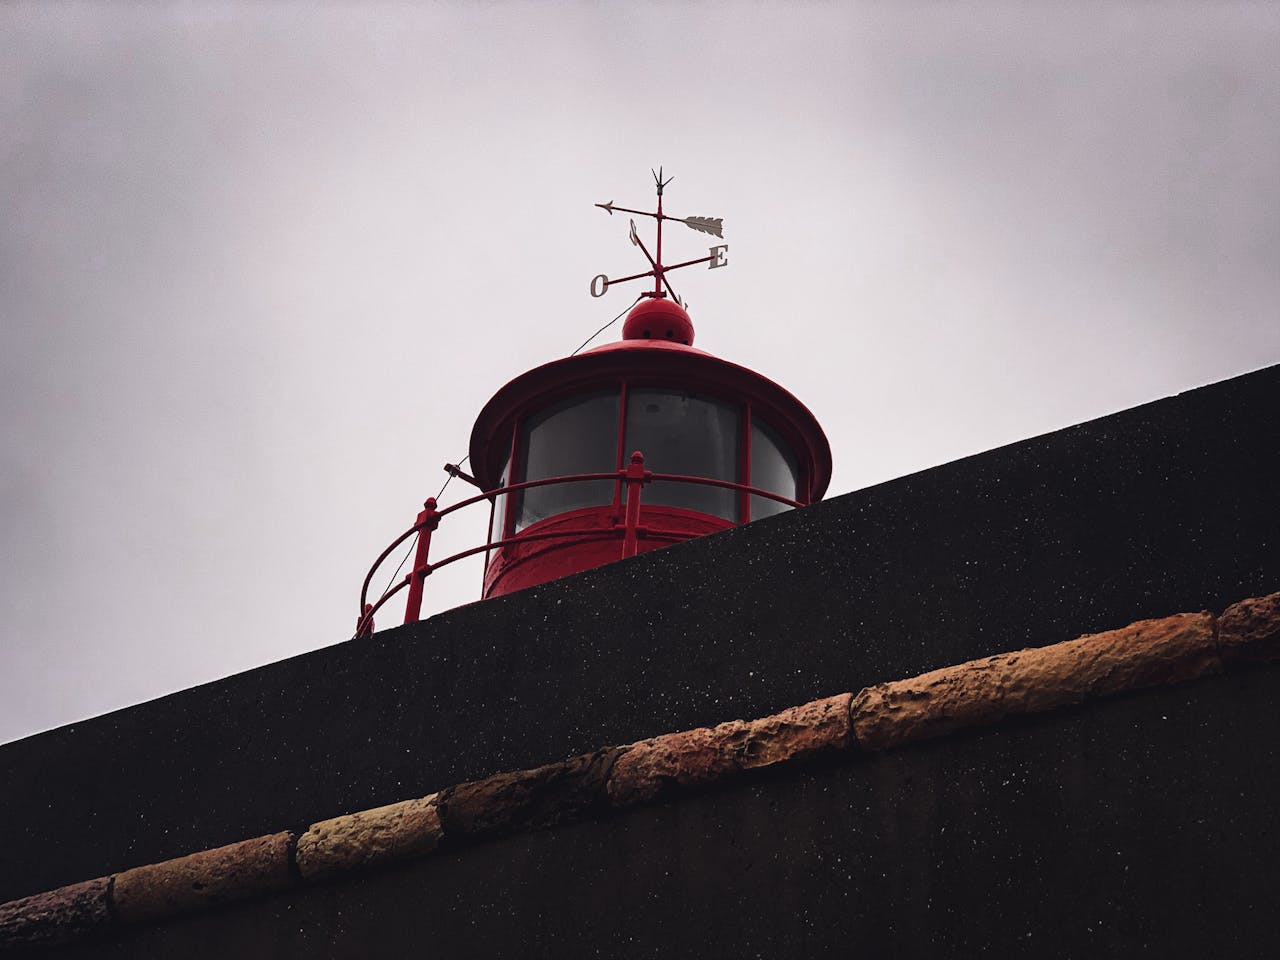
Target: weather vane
711, 225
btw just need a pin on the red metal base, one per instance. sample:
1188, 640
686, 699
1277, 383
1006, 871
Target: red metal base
521, 565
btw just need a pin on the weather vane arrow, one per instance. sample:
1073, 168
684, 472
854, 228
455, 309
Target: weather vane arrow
711, 225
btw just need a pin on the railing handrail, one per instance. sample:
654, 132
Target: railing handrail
430, 518
526, 484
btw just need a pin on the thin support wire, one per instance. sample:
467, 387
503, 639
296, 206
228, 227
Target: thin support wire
414, 542
448, 480
606, 326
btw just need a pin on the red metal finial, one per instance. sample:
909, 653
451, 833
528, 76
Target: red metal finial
659, 271
658, 319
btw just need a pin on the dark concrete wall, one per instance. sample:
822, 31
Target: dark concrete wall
1164, 508
1140, 826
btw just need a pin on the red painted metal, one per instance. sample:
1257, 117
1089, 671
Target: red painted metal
648, 356
387, 595
428, 521
658, 320
364, 622
368, 577
587, 538
598, 525
453, 470
637, 477
649, 363
656, 352
658, 270
551, 549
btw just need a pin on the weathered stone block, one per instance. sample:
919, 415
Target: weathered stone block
56, 915
527, 798
979, 692
384, 835
797, 732
1250, 630
693, 758
234, 872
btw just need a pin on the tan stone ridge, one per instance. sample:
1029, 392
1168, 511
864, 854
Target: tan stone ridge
1143, 654
370, 838
889, 715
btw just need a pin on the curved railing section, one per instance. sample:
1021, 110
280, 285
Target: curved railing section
634, 476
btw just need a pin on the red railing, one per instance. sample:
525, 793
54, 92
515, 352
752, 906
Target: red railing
634, 476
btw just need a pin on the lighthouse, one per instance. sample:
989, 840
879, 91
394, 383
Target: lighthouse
624, 448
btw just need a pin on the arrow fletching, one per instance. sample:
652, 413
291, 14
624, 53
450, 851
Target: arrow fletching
711, 225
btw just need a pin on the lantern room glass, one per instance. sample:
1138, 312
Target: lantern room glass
579, 435
687, 434
498, 523
773, 468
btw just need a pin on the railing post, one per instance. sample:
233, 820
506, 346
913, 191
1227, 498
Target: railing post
364, 622
427, 521
637, 477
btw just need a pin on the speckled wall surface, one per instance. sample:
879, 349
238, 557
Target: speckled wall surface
1139, 826
1165, 508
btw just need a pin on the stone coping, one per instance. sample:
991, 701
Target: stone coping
883, 717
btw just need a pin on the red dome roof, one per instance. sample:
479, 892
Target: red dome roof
649, 362
657, 318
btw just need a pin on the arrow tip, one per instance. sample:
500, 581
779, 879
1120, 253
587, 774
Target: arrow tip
606, 206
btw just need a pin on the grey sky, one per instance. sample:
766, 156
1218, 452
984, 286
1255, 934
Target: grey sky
260, 266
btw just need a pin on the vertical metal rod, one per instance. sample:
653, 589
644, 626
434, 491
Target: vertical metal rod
427, 522
657, 267
636, 478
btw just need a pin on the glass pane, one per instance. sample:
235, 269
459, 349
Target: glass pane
687, 434
500, 505
773, 468
576, 436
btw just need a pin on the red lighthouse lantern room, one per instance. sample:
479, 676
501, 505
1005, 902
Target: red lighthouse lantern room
633, 446
625, 448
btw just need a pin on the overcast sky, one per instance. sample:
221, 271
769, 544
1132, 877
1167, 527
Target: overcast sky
262, 264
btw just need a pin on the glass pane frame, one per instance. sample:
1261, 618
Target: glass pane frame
747, 506
566, 438
687, 433
767, 450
